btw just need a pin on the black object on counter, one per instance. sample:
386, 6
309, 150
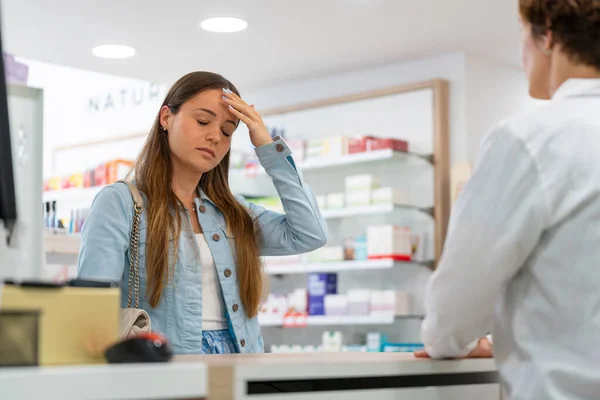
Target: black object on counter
46, 284
33, 283
89, 283
147, 347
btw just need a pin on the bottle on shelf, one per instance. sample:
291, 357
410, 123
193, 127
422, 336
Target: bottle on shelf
53, 218
47, 215
72, 222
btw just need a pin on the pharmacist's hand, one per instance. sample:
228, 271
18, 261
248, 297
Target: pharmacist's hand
259, 134
484, 349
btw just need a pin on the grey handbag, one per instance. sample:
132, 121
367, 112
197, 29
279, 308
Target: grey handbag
134, 320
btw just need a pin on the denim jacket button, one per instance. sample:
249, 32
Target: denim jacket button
227, 273
243, 342
216, 237
202, 209
235, 308
279, 147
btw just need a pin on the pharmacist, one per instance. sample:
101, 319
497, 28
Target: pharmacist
521, 257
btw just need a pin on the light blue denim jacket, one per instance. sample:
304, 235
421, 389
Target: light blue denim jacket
105, 251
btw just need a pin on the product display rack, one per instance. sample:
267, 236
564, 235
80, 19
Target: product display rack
372, 209
307, 165
439, 212
65, 249
346, 160
439, 159
342, 266
338, 320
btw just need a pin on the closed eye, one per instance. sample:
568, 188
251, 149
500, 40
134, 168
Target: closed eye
204, 123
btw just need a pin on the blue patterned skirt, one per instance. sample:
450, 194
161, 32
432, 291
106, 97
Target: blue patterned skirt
218, 342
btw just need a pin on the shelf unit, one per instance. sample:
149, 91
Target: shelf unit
438, 209
366, 265
68, 245
338, 320
80, 194
314, 164
372, 209
358, 158
317, 163
439, 159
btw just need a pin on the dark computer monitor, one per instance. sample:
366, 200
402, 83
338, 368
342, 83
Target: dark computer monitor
8, 203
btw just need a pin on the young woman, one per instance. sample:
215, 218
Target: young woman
200, 274
523, 245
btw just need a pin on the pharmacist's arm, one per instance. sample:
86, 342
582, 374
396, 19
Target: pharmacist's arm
105, 236
495, 224
302, 228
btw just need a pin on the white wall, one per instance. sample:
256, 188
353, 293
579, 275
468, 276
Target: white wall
494, 91
80, 106
481, 93
450, 67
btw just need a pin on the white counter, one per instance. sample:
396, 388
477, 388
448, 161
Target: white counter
317, 376
347, 376
105, 382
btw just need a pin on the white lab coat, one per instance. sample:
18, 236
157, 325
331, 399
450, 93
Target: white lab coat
522, 256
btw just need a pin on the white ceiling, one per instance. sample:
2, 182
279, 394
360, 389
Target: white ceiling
286, 39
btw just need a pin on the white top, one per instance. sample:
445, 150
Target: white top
523, 250
213, 305
173, 380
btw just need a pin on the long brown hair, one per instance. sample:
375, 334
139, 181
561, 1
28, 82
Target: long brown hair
153, 173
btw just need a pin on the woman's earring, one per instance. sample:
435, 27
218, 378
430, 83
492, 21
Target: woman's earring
164, 129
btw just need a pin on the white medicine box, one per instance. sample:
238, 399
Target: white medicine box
389, 242
335, 200
358, 198
364, 182
388, 195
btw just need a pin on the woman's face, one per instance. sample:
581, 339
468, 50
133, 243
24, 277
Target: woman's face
536, 62
200, 133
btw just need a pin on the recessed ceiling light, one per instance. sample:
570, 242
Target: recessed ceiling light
115, 51
224, 25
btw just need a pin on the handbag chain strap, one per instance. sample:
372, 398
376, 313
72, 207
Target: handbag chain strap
134, 247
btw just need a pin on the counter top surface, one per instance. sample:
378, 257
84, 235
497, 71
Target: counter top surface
319, 365
173, 380
187, 376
